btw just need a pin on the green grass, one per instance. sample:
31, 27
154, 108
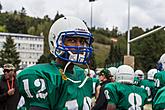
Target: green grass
101, 53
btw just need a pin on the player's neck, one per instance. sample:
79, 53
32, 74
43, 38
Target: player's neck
63, 63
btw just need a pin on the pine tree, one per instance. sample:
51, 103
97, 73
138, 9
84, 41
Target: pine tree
46, 58
115, 56
8, 54
92, 63
0, 7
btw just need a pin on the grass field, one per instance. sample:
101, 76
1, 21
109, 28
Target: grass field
101, 53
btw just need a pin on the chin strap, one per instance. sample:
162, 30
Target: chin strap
64, 77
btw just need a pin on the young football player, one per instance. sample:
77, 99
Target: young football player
61, 84
122, 94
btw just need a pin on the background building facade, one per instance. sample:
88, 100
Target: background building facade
30, 47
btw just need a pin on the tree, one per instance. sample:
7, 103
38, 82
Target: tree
31, 30
92, 62
45, 58
8, 54
43, 28
23, 12
42, 59
58, 16
16, 23
0, 7
115, 56
2, 29
148, 50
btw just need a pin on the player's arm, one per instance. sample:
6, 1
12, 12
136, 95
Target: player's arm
111, 107
111, 96
97, 91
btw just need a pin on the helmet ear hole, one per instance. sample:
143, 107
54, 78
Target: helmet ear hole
52, 43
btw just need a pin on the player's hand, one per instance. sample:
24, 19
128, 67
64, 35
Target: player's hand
11, 91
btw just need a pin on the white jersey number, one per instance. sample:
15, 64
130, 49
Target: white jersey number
135, 100
73, 105
157, 83
38, 83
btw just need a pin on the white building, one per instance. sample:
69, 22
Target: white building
30, 47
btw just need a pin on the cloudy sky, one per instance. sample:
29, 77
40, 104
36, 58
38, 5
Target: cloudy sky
106, 13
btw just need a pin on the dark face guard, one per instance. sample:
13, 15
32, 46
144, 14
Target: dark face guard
74, 54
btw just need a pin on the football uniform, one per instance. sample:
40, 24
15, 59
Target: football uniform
159, 99
42, 86
125, 97
96, 82
136, 80
159, 79
149, 86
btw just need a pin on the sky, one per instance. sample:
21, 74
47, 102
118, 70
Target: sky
105, 13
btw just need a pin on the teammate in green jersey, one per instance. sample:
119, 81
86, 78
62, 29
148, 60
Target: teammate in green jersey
96, 83
139, 76
61, 85
149, 84
122, 94
92, 75
159, 99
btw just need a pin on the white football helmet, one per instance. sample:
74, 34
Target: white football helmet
125, 74
139, 74
161, 63
70, 27
151, 73
113, 71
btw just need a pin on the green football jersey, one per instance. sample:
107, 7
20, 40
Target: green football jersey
149, 86
125, 97
42, 85
96, 82
160, 79
159, 100
136, 81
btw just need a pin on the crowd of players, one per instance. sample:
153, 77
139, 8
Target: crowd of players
134, 90
126, 89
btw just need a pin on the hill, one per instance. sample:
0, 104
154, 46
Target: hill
101, 53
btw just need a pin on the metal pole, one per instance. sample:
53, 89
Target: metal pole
128, 35
146, 34
91, 14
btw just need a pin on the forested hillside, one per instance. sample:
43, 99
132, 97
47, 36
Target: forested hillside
109, 45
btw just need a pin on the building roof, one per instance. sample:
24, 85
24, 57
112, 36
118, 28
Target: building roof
17, 34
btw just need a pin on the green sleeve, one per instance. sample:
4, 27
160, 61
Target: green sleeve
159, 99
37, 84
111, 93
34, 89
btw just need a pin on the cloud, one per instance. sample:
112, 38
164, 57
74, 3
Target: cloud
106, 13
